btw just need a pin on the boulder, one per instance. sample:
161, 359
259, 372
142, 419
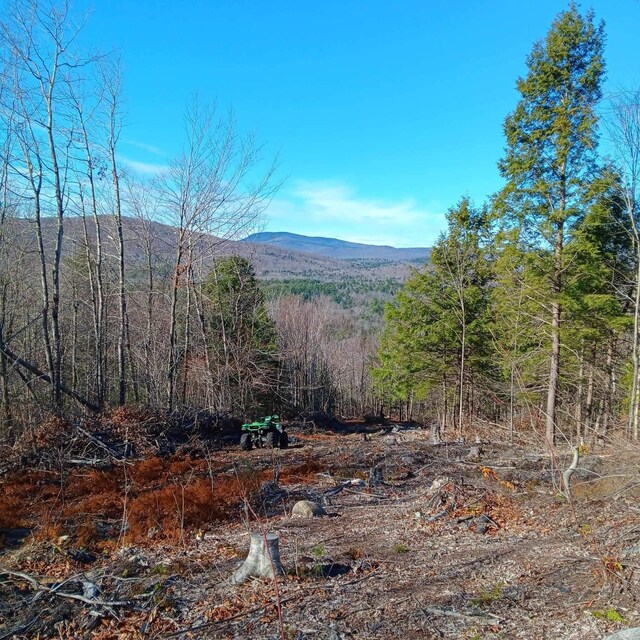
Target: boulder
307, 509
625, 634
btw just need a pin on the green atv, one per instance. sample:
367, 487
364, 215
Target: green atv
268, 432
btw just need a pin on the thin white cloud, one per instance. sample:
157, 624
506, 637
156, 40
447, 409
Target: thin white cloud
145, 168
156, 151
335, 210
339, 201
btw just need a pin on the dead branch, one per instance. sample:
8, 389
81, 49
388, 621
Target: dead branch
47, 378
566, 476
485, 618
54, 591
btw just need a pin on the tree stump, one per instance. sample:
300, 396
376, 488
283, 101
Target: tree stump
475, 453
376, 476
263, 560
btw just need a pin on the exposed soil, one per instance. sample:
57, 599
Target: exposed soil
454, 543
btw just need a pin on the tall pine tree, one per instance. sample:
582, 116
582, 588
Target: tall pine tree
551, 157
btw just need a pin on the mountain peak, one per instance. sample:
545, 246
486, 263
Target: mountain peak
335, 248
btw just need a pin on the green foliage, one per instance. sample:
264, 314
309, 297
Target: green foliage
400, 548
543, 278
342, 292
159, 570
438, 317
236, 299
242, 338
600, 258
551, 135
609, 614
489, 596
518, 338
550, 160
555, 258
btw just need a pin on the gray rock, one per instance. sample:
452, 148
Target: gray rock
307, 509
631, 551
625, 634
482, 527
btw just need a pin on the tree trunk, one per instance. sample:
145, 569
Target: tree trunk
16, 359
554, 373
445, 407
511, 401
634, 399
74, 341
95, 282
57, 256
173, 321
187, 328
579, 398
588, 409
122, 298
462, 365
5, 403
609, 392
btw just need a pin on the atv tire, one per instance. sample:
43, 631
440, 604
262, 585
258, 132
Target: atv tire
271, 440
284, 440
245, 442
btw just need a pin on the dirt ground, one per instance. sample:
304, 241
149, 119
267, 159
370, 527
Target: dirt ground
465, 541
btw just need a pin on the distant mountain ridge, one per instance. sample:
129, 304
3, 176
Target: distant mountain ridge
319, 259
339, 249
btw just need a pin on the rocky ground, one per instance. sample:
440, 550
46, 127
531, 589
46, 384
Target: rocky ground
450, 541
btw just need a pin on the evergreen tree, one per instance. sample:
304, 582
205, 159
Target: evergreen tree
242, 340
435, 331
551, 157
519, 339
600, 264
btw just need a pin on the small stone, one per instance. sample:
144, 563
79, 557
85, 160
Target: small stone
307, 509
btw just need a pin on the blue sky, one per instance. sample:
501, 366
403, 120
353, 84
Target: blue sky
382, 114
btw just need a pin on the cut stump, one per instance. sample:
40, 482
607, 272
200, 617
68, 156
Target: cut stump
376, 476
263, 560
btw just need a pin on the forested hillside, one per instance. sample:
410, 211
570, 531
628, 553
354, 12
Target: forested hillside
333, 248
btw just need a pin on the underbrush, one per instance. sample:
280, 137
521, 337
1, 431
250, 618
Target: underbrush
133, 502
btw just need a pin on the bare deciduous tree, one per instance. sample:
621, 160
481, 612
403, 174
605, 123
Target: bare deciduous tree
208, 189
624, 130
